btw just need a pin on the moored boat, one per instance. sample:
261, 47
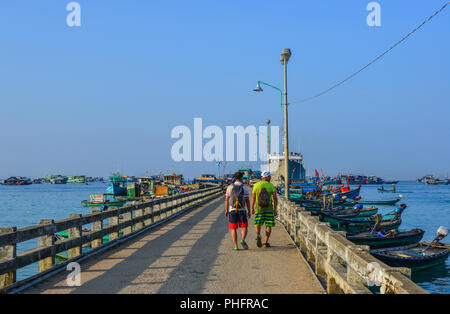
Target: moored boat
381, 202
413, 256
354, 212
118, 185
359, 225
351, 194
100, 200
417, 256
390, 239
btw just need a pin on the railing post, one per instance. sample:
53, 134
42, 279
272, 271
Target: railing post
170, 204
114, 221
157, 212
147, 211
127, 217
75, 233
7, 253
139, 225
46, 241
97, 226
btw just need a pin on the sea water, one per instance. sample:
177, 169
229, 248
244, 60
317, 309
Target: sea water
23, 206
428, 208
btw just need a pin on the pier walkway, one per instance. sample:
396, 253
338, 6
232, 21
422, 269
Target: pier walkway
192, 254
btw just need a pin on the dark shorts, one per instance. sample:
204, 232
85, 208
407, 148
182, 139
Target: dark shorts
237, 219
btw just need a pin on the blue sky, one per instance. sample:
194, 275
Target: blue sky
105, 96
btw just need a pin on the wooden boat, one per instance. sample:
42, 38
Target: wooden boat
391, 239
99, 200
386, 191
352, 194
365, 212
380, 202
413, 256
128, 198
118, 185
359, 225
383, 190
316, 203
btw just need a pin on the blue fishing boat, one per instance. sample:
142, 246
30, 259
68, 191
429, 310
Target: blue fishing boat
118, 185
352, 194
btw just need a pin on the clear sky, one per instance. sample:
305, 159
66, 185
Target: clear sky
105, 96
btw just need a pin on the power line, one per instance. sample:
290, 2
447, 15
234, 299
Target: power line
373, 61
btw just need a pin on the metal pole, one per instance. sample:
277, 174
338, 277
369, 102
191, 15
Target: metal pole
268, 143
286, 146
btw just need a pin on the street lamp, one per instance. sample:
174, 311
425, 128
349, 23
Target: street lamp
284, 59
268, 144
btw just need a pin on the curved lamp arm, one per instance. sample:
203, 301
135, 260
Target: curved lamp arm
281, 92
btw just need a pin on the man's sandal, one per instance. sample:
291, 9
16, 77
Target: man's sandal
258, 241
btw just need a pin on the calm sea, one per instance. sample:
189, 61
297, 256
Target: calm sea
428, 208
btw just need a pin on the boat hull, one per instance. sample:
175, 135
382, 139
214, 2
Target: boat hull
386, 202
114, 189
106, 203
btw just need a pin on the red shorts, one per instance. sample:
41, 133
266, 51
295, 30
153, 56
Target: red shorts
237, 219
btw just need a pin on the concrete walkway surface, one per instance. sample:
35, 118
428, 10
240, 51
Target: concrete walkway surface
192, 254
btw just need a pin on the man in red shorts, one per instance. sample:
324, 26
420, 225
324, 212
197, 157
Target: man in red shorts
237, 204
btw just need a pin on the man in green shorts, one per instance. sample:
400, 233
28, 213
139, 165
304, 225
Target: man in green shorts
264, 207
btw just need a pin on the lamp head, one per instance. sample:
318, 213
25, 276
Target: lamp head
258, 88
285, 55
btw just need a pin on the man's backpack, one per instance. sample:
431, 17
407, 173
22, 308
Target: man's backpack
263, 198
237, 196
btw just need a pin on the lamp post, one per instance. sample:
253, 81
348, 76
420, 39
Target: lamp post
284, 59
268, 144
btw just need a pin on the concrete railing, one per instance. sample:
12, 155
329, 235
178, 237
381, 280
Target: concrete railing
126, 220
346, 267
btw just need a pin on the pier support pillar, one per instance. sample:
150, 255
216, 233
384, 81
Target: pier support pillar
46, 241
97, 226
7, 253
75, 233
